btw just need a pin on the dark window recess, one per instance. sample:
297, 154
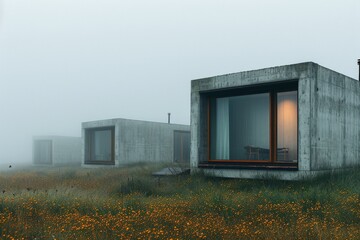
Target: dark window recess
182, 146
100, 145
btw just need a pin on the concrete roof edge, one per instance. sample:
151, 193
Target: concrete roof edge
53, 136
320, 66
260, 69
133, 120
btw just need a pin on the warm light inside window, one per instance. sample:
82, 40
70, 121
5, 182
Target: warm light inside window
287, 126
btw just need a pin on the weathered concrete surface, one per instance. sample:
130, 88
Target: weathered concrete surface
264, 174
335, 136
328, 117
138, 141
64, 150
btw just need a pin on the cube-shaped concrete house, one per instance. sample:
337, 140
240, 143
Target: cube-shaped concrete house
123, 141
287, 122
56, 150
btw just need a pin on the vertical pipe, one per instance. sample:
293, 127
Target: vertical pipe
169, 118
359, 68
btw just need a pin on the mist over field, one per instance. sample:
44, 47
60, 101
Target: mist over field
64, 62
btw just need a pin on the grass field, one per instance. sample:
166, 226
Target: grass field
129, 203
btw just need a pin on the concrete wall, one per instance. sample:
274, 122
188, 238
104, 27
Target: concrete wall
328, 118
65, 150
335, 135
138, 141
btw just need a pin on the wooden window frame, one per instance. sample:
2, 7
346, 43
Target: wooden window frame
273, 90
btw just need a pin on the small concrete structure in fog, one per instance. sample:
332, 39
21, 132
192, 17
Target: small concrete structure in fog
287, 122
56, 150
123, 141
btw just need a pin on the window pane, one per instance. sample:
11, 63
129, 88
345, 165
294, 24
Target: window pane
101, 145
287, 126
240, 128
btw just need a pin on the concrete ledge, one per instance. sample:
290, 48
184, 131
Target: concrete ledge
284, 166
260, 173
98, 166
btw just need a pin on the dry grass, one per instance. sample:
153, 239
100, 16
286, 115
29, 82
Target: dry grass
128, 203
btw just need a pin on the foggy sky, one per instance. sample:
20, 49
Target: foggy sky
63, 62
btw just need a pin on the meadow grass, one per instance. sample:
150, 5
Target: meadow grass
129, 203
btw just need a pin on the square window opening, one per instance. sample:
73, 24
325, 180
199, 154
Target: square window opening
254, 125
100, 146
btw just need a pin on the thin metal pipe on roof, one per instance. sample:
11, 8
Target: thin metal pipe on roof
359, 68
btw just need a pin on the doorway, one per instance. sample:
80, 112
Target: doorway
182, 146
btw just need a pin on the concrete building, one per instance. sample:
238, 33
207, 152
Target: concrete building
287, 122
56, 150
122, 141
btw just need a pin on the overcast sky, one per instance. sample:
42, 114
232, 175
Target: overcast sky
63, 62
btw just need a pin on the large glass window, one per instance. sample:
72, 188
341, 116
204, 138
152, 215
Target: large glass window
254, 126
100, 144
240, 127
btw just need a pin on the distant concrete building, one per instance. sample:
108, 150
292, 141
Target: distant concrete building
56, 150
122, 141
287, 122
